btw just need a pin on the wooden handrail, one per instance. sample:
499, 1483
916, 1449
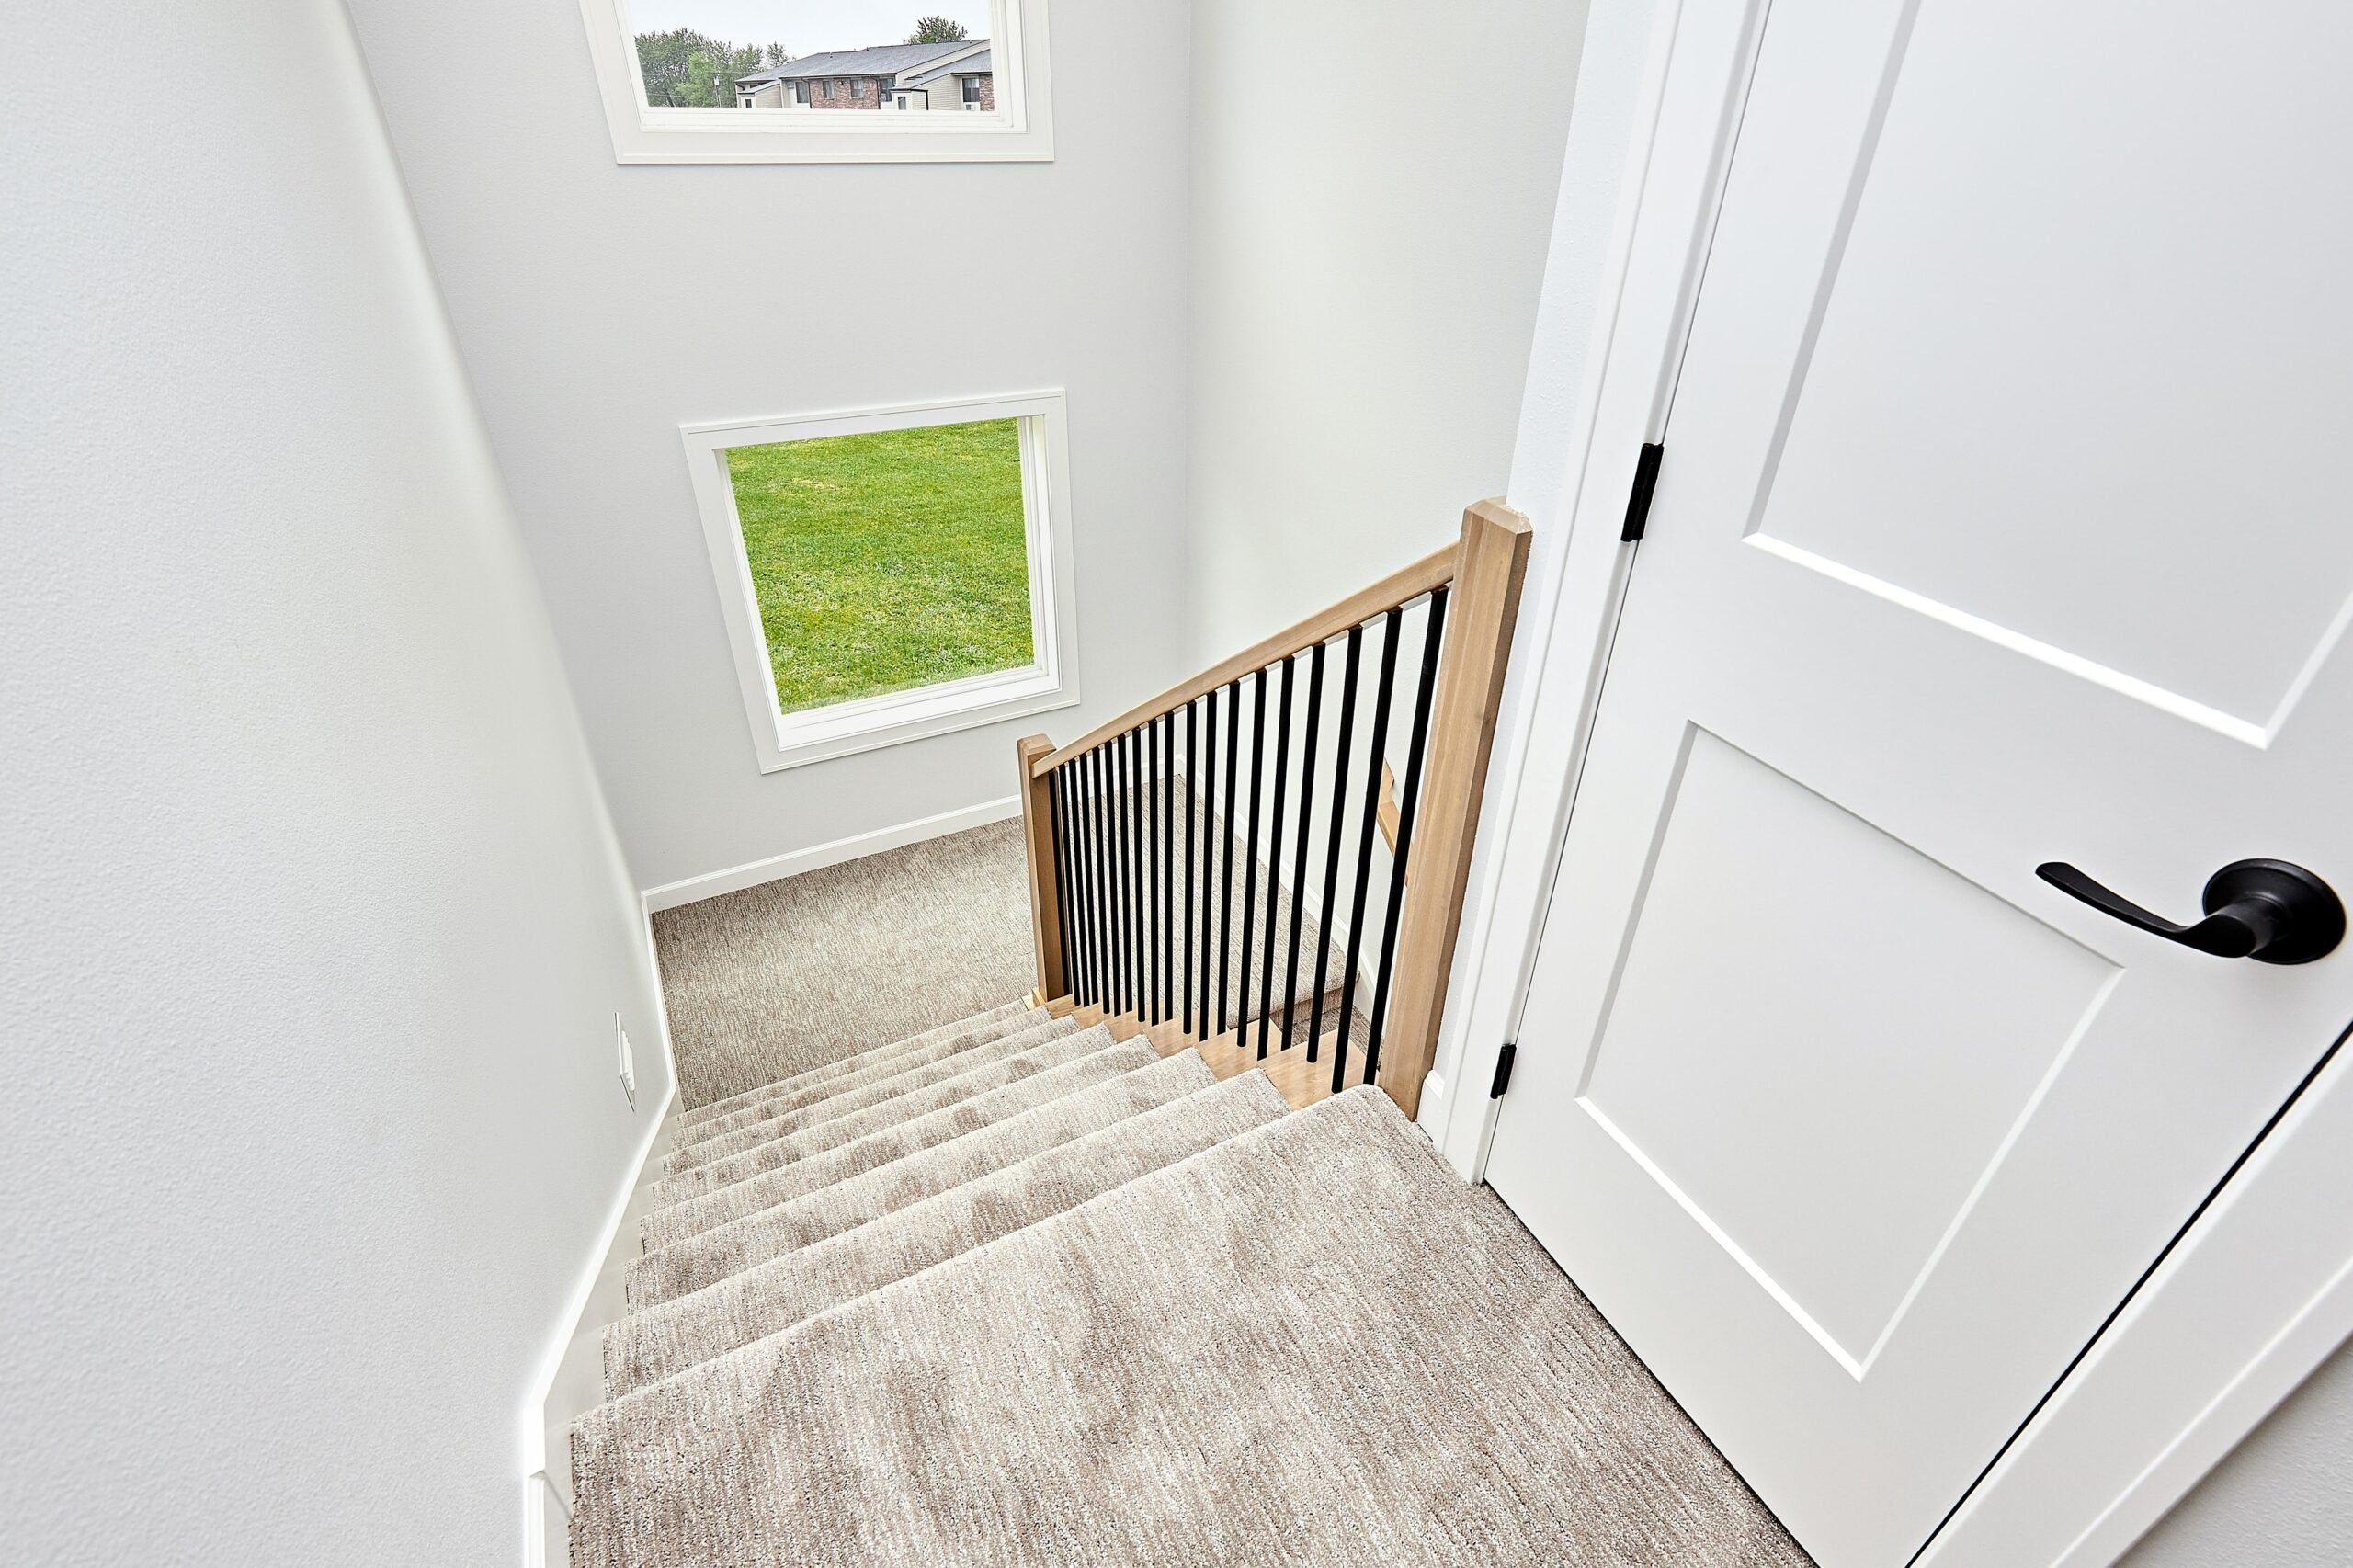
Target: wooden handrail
1482, 573
1429, 572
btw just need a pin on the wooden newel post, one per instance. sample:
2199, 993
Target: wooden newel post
1038, 841
1490, 562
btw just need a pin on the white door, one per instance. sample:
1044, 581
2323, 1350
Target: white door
2006, 517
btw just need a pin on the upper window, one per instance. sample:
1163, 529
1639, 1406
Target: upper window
890, 573
689, 81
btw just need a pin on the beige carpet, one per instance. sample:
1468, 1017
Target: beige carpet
674, 1223
1304, 1341
907, 1237
793, 974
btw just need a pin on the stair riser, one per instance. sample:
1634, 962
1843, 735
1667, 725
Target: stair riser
783, 1151
859, 1093
695, 1115
870, 1067
666, 1227
717, 1255
647, 1348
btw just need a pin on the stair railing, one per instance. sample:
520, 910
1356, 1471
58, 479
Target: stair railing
1141, 833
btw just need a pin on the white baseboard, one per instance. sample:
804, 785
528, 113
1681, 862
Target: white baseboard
572, 1380
735, 879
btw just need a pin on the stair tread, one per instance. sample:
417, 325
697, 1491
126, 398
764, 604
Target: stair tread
973, 1078
668, 1226
865, 1067
1311, 1342
720, 1106
714, 1254
887, 1081
673, 1338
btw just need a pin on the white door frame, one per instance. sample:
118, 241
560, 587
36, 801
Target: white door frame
2258, 1290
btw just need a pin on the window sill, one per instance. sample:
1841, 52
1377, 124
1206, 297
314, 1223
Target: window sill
843, 729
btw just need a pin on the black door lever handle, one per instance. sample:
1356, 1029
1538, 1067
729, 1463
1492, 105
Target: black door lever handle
2266, 910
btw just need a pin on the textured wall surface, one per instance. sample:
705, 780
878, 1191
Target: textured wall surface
316, 925
2282, 1499
1373, 187
598, 307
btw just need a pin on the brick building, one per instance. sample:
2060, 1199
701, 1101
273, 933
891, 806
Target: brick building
901, 76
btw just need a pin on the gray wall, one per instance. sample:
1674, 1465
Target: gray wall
598, 306
315, 924
2282, 1499
1373, 186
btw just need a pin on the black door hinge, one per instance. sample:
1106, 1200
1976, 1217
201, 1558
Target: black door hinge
1503, 1070
1638, 505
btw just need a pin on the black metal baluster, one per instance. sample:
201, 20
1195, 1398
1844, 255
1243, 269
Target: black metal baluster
1062, 876
1162, 1004
1155, 742
1128, 874
1114, 969
1375, 755
1299, 855
1140, 993
1159, 869
1088, 859
1225, 851
1204, 802
1192, 855
1250, 850
1116, 760
1332, 849
1073, 791
1275, 856
1147, 881
1431, 639
1168, 981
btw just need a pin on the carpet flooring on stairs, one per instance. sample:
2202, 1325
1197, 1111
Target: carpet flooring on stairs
811, 969
1111, 1309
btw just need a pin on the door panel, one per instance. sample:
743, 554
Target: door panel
1835, 1147
2201, 369
1999, 524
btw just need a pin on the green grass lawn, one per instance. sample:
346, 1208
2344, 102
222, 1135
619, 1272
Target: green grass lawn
887, 560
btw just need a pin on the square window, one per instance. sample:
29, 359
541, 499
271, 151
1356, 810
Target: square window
890, 573
678, 89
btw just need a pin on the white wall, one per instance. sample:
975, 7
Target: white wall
1372, 189
2282, 1499
315, 924
1510, 865
598, 306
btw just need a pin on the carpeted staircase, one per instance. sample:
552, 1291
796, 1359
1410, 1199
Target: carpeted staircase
1014, 1291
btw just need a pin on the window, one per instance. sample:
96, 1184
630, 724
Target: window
679, 84
890, 573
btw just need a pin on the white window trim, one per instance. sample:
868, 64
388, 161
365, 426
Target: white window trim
781, 740
1019, 130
